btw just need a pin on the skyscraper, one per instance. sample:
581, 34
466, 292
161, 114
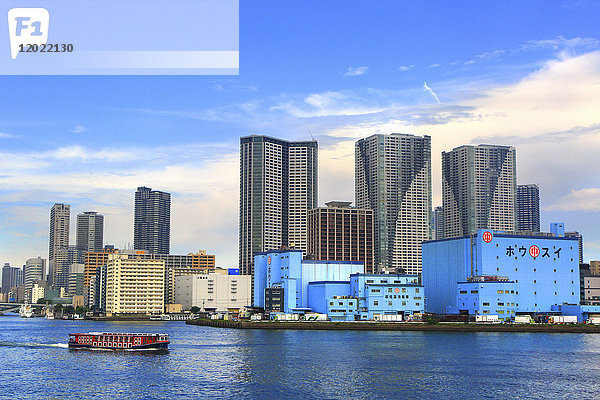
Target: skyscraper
90, 232
579, 237
341, 233
152, 221
393, 178
278, 185
528, 208
58, 252
479, 189
438, 223
12, 277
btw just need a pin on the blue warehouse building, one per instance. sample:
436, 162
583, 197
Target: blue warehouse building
281, 278
501, 273
283, 282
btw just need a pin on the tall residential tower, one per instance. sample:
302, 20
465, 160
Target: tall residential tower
58, 252
528, 208
152, 221
278, 185
393, 178
90, 231
479, 189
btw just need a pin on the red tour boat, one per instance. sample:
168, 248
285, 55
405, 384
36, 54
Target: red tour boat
119, 341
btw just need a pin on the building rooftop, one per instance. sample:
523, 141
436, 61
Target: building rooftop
338, 204
507, 234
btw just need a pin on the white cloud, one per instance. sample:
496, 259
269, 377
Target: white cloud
79, 129
356, 71
430, 90
405, 68
561, 43
435, 65
578, 200
5, 135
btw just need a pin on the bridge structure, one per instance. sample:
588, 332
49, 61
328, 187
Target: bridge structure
14, 307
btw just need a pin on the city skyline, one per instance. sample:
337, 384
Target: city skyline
92, 141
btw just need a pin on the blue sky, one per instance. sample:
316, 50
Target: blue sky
520, 73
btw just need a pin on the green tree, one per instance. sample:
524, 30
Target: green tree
69, 310
195, 310
80, 310
41, 301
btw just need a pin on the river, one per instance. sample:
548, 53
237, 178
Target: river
208, 362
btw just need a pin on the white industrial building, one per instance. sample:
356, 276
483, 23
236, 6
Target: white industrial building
218, 292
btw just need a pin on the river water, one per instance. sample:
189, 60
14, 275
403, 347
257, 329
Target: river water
207, 362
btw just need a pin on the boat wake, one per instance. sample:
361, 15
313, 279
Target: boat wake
33, 345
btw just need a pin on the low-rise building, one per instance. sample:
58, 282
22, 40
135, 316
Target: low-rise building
38, 291
487, 295
285, 283
281, 278
76, 280
595, 267
222, 291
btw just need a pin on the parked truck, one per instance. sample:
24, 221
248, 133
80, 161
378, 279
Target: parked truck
388, 318
490, 319
593, 321
315, 317
523, 319
563, 319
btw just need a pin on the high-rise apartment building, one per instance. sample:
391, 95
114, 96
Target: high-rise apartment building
528, 208
393, 178
438, 223
58, 252
278, 185
34, 270
152, 221
340, 232
90, 231
579, 237
12, 277
479, 189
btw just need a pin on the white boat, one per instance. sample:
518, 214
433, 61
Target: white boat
49, 315
26, 311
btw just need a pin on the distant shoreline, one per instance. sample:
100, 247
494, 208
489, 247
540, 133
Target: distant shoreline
421, 327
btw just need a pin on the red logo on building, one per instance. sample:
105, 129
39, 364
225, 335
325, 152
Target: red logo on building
534, 251
487, 236
269, 260
397, 290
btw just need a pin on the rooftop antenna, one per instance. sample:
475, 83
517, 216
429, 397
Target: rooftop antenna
311, 136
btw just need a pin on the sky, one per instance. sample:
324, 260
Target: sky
520, 73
